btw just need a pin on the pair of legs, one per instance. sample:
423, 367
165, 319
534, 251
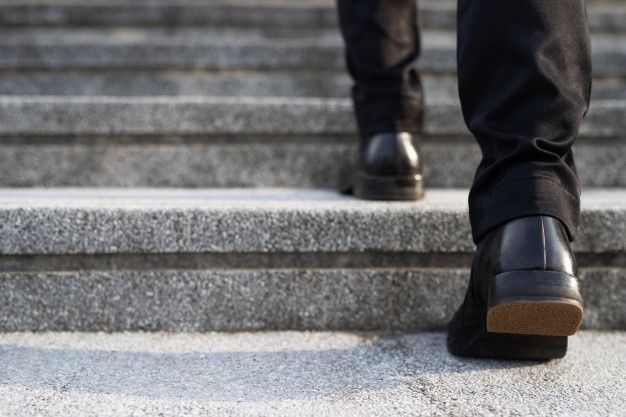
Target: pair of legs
524, 78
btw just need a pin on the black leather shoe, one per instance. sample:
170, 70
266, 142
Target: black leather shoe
390, 168
523, 298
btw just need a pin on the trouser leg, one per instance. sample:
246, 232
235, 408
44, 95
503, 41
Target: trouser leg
524, 81
382, 44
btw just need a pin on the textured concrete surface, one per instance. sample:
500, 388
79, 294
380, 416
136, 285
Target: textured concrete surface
173, 115
214, 48
172, 13
227, 83
292, 161
296, 374
280, 162
59, 221
196, 115
206, 83
437, 14
264, 299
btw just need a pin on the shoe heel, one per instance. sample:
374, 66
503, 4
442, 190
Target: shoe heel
390, 188
542, 303
514, 347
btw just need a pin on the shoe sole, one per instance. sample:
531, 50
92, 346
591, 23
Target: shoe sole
541, 303
389, 188
512, 347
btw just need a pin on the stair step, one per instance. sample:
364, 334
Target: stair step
261, 220
128, 83
243, 142
204, 83
222, 48
198, 115
216, 260
603, 16
293, 161
298, 374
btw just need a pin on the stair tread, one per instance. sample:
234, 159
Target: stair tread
223, 36
227, 49
130, 83
259, 198
261, 220
603, 15
198, 36
193, 115
254, 3
292, 373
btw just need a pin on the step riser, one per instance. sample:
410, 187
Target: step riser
237, 116
263, 56
229, 84
433, 15
262, 300
140, 83
210, 15
290, 162
216, 157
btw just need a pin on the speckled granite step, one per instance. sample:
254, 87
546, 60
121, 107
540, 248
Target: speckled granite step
246, 141
131, 83
283, 161
196, 115
434, 14
192, 48
199, 260
299, 374
260, 220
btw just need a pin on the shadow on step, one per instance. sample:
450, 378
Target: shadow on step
236, 367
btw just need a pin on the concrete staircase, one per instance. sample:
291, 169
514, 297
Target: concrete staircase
171, 166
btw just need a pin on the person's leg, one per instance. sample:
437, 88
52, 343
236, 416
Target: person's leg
524, 72
524, 84
382, 44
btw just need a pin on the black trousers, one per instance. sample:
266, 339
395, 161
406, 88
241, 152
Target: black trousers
524, 73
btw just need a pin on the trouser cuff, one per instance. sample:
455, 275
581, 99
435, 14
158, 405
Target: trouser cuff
389, 116
522, 198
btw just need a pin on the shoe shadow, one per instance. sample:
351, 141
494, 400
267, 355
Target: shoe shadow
367, 363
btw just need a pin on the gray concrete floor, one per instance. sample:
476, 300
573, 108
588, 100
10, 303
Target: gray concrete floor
293, 373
